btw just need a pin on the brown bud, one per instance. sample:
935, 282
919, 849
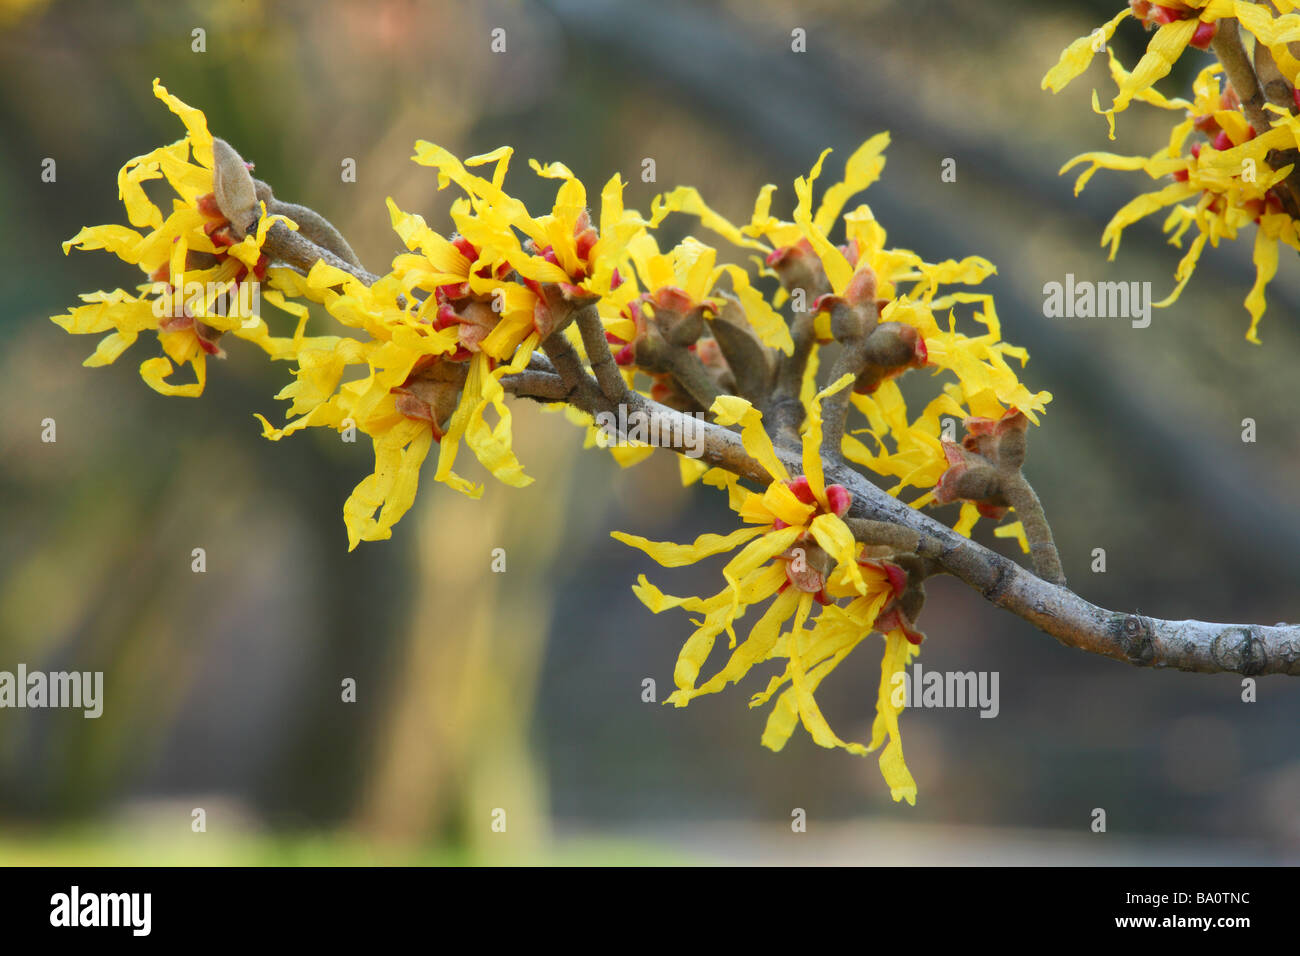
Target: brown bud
749, 359
847, 321
1000, 440
682, 330
892, 345
861, 289
892, 348
799, 267
970, 477
715, 363
650, 350
807, 566
232, 185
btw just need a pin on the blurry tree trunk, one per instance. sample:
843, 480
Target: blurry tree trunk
454, 748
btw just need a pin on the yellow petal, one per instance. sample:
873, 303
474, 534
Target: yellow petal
1013, 530
837, 540
687, 199
863, 168
1078, 55
765, 320
154, 371
733, 410
672, 555
1163, 50
196, 124
780, 501
812, 438
898, 651
1265, 258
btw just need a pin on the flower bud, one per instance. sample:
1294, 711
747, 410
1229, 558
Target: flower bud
892, 348
799, 267
233, 189
807, 565
715, 363
1000, 440
431, 392
683, 330
970, 477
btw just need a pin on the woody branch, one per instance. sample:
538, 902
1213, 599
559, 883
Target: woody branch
877, 517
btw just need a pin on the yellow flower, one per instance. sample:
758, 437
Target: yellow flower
1178, 24
421, 387
908, 290
562, 247
798, 553
1218, 187
200, 273
862, 169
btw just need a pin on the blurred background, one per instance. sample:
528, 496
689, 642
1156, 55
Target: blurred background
522, 691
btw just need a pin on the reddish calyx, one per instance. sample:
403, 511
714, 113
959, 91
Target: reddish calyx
473, 318
892, 616
1204, 35
989, 447
218, 230
838, 498
798, 267
1158, 15
892, 349
431, 391
807, 567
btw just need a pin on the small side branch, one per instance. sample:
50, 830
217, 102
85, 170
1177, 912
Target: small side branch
689, 372
1042, 546
567, 364
784, 411
902, 540
835, 408
317, 228
300, 252
594, 343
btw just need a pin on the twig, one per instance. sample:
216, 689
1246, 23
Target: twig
902, 540
542, 386
1201, 646
315, 227
1042, 546
1186, 645
300, 252
1241, 74
567, 364
689, 372
608, 376
784, 410
835, 408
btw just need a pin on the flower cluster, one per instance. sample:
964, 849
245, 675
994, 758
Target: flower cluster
423, 354
825, 582
194, 258
1227, 165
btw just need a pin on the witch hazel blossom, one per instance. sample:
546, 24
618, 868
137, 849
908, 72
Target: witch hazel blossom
1231, 161
579, 306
